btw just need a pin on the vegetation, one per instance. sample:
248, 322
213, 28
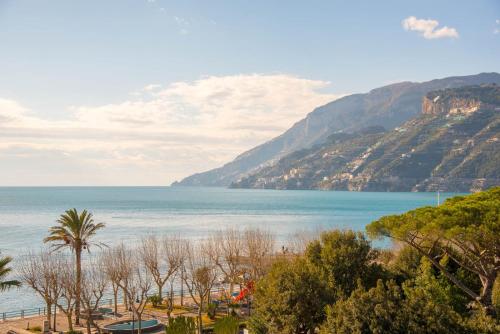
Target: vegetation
464, 229
442, 281
342, 258
5, 270
291, 298
181, 325
488, 93
211, 310
227, 325
74, 231
155, 300
35, 329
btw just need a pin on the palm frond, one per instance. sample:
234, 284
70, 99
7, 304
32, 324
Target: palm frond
73, 229
4, 271
5, 285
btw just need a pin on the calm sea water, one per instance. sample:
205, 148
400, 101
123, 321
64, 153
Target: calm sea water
132, 212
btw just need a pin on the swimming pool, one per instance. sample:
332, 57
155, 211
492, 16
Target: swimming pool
127, 326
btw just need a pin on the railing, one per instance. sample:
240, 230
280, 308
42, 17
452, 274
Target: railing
39, 311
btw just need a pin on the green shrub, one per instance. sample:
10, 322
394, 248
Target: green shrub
36, 329
227, 325
155, 300
480, 323
291, 297
388, 309
211, 310
181, 325
496, 295
257, 325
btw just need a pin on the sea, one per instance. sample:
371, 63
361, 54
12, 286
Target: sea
130, 213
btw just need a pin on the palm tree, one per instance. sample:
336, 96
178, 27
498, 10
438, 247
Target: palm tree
75, 232
4, 272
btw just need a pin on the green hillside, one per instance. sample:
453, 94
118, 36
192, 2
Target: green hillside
452, 146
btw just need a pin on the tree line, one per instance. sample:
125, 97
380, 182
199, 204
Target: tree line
441, 276
76, 287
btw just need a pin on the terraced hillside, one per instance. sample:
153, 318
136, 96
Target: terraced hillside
454, 145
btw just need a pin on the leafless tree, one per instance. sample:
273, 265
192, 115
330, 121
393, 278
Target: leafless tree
94, 284
39, 272
259, 248
109, 268
199, 276
133, 277
297, 242
175, 250
66, 279
162, 258
225, 250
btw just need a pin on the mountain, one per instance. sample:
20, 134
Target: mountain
387, 106
454, 145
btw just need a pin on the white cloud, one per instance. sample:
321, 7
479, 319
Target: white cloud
162, 134
428, 28
497, 27
182, 24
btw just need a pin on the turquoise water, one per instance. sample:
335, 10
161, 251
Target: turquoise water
130, 325
131, 212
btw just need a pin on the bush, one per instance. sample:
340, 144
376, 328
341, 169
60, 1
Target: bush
257, 325
227, 325
480, 323
211, 310
374, 311
36, 329
290, 298
181, 325
155, 300
415, 309
342, 258
496, 295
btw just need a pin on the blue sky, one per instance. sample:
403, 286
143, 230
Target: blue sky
157, 89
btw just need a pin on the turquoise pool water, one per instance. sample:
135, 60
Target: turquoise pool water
129, 325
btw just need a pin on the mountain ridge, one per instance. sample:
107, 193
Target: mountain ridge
388, 106
453, 145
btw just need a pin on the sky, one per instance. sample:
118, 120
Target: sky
146, 92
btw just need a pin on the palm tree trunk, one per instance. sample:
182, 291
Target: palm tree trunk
78, 252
